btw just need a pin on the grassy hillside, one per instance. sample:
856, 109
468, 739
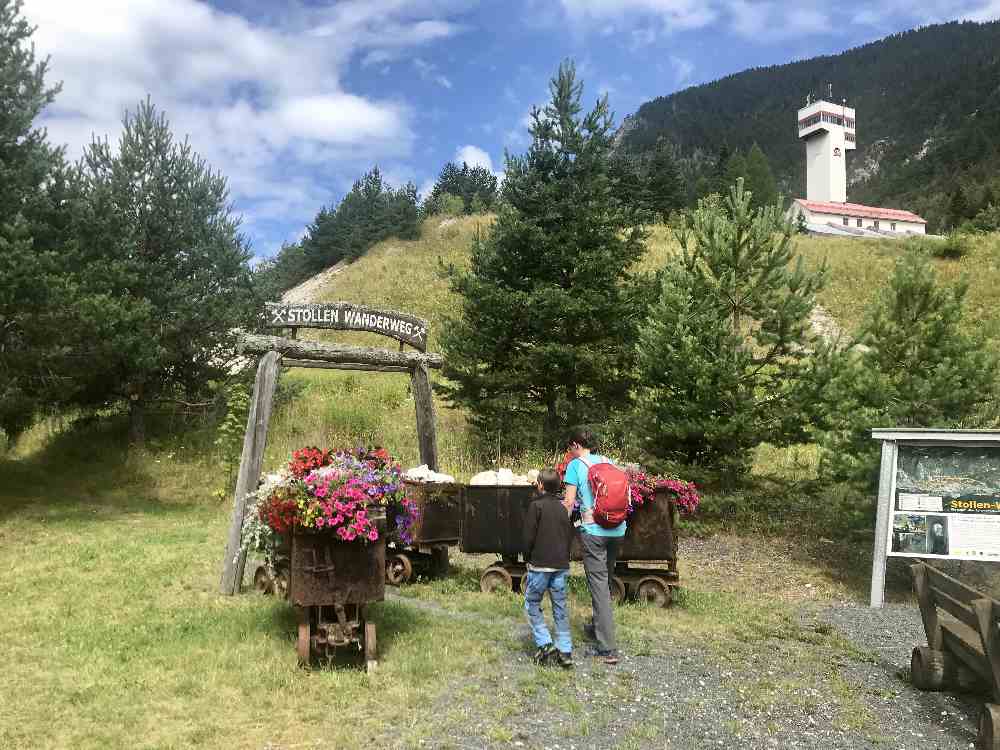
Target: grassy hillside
110, 605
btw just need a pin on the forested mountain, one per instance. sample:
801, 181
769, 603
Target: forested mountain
928, 113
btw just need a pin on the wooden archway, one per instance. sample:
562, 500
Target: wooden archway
277, 351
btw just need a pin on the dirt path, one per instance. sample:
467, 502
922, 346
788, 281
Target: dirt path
308, 290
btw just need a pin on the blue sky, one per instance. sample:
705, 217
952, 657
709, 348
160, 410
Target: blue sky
293, 101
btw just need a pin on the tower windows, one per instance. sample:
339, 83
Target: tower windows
859, 223
892, 226
846, 221
874, 223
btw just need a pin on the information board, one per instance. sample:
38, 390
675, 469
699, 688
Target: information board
939, 497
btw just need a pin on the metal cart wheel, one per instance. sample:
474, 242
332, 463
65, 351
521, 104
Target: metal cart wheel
262, 580
617, 587
495, 578
440, 562
304, 644
989, 727
654, 591
398, 569
371, 650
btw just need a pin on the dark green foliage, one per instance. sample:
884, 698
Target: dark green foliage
275, 275
549, 314
724, 357
987, 220
759, 178
958, 208
928, 113
163, 270
956, 245
369, 213
919, 370
475, 186
34, 287
667, 191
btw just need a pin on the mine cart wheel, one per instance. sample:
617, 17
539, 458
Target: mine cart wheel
654, 591
280, 583
931, 669
398, 569
262, 580
989, 727
618, 590
495, 578
440, 563
304, 644
371, 652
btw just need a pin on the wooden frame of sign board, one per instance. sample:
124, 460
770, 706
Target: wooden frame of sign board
276, 352
892, 439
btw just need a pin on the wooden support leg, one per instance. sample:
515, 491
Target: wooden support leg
254, 441
991, 640
424, 403
928, 613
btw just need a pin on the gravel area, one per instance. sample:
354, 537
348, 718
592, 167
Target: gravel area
686, 697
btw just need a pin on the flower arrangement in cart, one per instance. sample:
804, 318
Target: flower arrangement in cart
643, 487
336, 492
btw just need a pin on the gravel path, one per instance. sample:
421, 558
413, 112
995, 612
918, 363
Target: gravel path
686, 697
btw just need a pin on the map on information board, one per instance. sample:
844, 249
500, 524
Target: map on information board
947, 502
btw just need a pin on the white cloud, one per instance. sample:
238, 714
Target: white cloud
262, 101
683, 69
429, 72
675, 14
473, 156
770, 21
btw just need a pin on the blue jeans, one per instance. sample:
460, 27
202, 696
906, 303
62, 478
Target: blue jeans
555, 584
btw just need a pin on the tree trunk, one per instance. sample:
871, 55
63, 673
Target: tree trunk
136, 421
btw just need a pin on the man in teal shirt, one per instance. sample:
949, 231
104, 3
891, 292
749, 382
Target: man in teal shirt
600, 545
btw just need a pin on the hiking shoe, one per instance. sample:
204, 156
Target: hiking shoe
544, 654
608, 657
564, 659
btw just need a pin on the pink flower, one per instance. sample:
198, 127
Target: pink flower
372, 535
320, 522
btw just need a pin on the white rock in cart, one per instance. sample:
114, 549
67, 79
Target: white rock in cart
424, 473
485, 478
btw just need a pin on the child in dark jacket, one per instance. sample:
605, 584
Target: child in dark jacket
547, 536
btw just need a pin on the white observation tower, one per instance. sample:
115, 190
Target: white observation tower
828, 130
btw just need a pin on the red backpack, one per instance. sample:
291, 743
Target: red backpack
609, 485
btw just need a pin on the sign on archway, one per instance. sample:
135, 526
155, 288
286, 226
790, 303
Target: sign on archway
277, 351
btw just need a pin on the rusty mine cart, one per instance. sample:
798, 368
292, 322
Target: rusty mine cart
492, 522
331, 584
438, 527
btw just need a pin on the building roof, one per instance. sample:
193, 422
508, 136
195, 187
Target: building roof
859, 210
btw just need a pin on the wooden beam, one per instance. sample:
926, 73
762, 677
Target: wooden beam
423, 401
317, 365
987, 615
928, 613
254, 441
328, 352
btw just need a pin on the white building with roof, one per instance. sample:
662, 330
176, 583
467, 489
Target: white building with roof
829, 132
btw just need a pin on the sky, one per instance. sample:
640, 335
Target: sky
293, 101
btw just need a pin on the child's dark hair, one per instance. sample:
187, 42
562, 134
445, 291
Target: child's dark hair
550, 481
583, 436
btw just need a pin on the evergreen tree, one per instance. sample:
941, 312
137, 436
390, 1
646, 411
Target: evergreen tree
958, 208
736, 170
723, 359
918, 368
473, 185
35, 289
164, 273
549, 309
666, 187
759, 178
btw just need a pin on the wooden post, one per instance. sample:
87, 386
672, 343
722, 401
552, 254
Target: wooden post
424, 403
928, 613
886, 502
254, 441
991, 640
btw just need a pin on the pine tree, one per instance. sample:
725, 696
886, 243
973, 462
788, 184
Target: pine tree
667, 192
918, 368
958, 208
723, 359
165, 274
759, 178
549, 309
736, 170
35, 289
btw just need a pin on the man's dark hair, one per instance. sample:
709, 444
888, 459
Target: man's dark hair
550, 481
584, 436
